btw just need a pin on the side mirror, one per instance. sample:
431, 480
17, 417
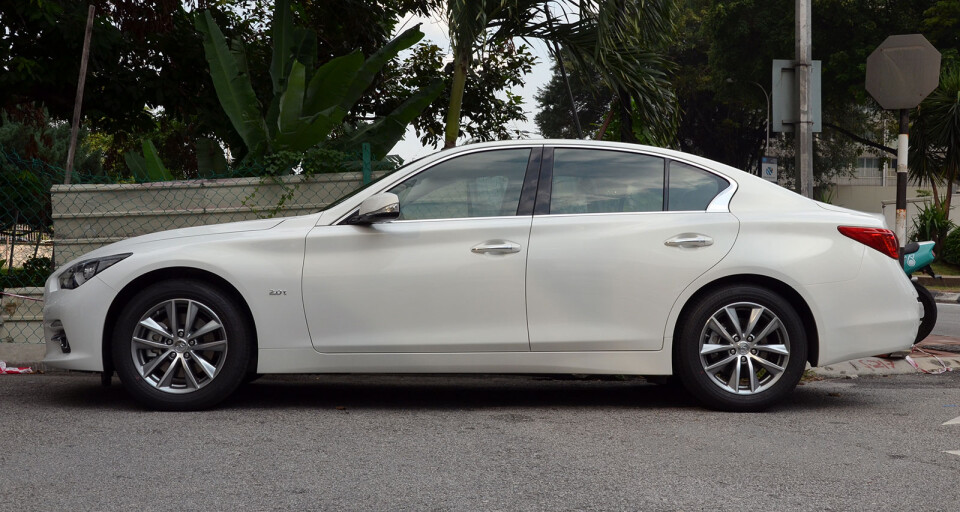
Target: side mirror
379, 208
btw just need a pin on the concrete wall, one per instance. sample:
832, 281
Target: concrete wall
86, 217
872, 198
21, 325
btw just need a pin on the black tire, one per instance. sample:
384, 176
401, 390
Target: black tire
194, 368
710, 365
929, 320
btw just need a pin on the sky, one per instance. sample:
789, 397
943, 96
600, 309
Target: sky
435, 31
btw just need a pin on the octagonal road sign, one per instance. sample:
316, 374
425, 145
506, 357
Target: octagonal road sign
902, 71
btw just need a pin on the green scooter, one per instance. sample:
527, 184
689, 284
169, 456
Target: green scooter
917, 257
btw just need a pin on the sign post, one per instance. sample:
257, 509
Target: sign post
901, 72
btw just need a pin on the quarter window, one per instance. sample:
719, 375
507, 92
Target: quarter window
590, 181
486, 184
692, 189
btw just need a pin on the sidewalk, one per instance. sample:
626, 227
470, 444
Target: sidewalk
931, 355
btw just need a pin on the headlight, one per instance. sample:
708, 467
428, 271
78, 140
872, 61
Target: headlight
85, 270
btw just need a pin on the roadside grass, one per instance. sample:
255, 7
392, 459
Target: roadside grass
942, 268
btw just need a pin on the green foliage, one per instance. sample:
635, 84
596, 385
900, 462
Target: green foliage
592, 99
307, 105
34, 272
30, 145
622, 39
935, 136
148, 167
931, 223
950, 250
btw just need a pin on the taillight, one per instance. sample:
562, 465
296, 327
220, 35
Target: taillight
882, 240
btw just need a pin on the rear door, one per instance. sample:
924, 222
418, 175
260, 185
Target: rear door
615, 239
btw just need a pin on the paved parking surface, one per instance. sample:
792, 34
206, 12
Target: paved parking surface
480, 443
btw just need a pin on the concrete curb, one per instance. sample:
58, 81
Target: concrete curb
947, 297
882, 366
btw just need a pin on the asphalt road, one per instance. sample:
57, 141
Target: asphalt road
948, 320
480, 443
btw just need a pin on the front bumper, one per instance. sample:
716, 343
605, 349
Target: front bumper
78, 316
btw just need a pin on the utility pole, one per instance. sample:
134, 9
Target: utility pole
804, 129
71, 152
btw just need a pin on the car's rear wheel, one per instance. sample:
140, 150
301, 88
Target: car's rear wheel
741, 348
182, 345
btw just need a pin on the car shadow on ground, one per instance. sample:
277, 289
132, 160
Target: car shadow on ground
443, 392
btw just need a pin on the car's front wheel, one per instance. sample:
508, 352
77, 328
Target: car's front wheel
182, 345
741, 348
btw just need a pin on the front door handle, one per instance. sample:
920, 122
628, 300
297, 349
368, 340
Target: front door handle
689, 240
496, 247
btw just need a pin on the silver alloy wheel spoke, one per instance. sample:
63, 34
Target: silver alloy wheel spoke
207, 328
732, 315
749, 363
191, 380
715, 367
192, 351
153, 344
772, 368
773, 325
191, 317
776, 349
152, 325
755, 315
208, 368
148, 368
720, 329
709, 348
167, 378
219, 346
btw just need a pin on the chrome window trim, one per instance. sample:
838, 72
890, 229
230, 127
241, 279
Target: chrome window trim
375, 191
720, 202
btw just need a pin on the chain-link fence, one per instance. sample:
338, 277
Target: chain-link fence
44, 224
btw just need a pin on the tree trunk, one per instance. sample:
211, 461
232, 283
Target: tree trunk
460, 65
606, 123
626, 117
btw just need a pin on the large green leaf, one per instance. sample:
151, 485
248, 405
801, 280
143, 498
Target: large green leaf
156, 171
211, 162
284, 44
368, 72
332, 82
233, 87
384, 133
137, 166
291, 102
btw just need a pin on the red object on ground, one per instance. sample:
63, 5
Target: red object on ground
13, 369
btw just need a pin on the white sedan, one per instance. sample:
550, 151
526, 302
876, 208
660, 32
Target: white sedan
511, 257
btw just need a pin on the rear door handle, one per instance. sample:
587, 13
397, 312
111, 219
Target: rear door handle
496, 247
689, 240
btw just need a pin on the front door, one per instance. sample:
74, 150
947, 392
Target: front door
447, 276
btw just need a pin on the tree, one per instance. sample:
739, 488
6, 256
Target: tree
619, 38
592, 100
935, 138
309, 102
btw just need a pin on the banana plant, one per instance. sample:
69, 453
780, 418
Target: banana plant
308, 104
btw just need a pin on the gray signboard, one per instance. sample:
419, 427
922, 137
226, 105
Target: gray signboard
902, 71
785, 98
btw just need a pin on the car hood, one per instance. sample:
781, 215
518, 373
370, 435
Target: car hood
212, 229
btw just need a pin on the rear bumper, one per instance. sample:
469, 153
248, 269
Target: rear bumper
875, 313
